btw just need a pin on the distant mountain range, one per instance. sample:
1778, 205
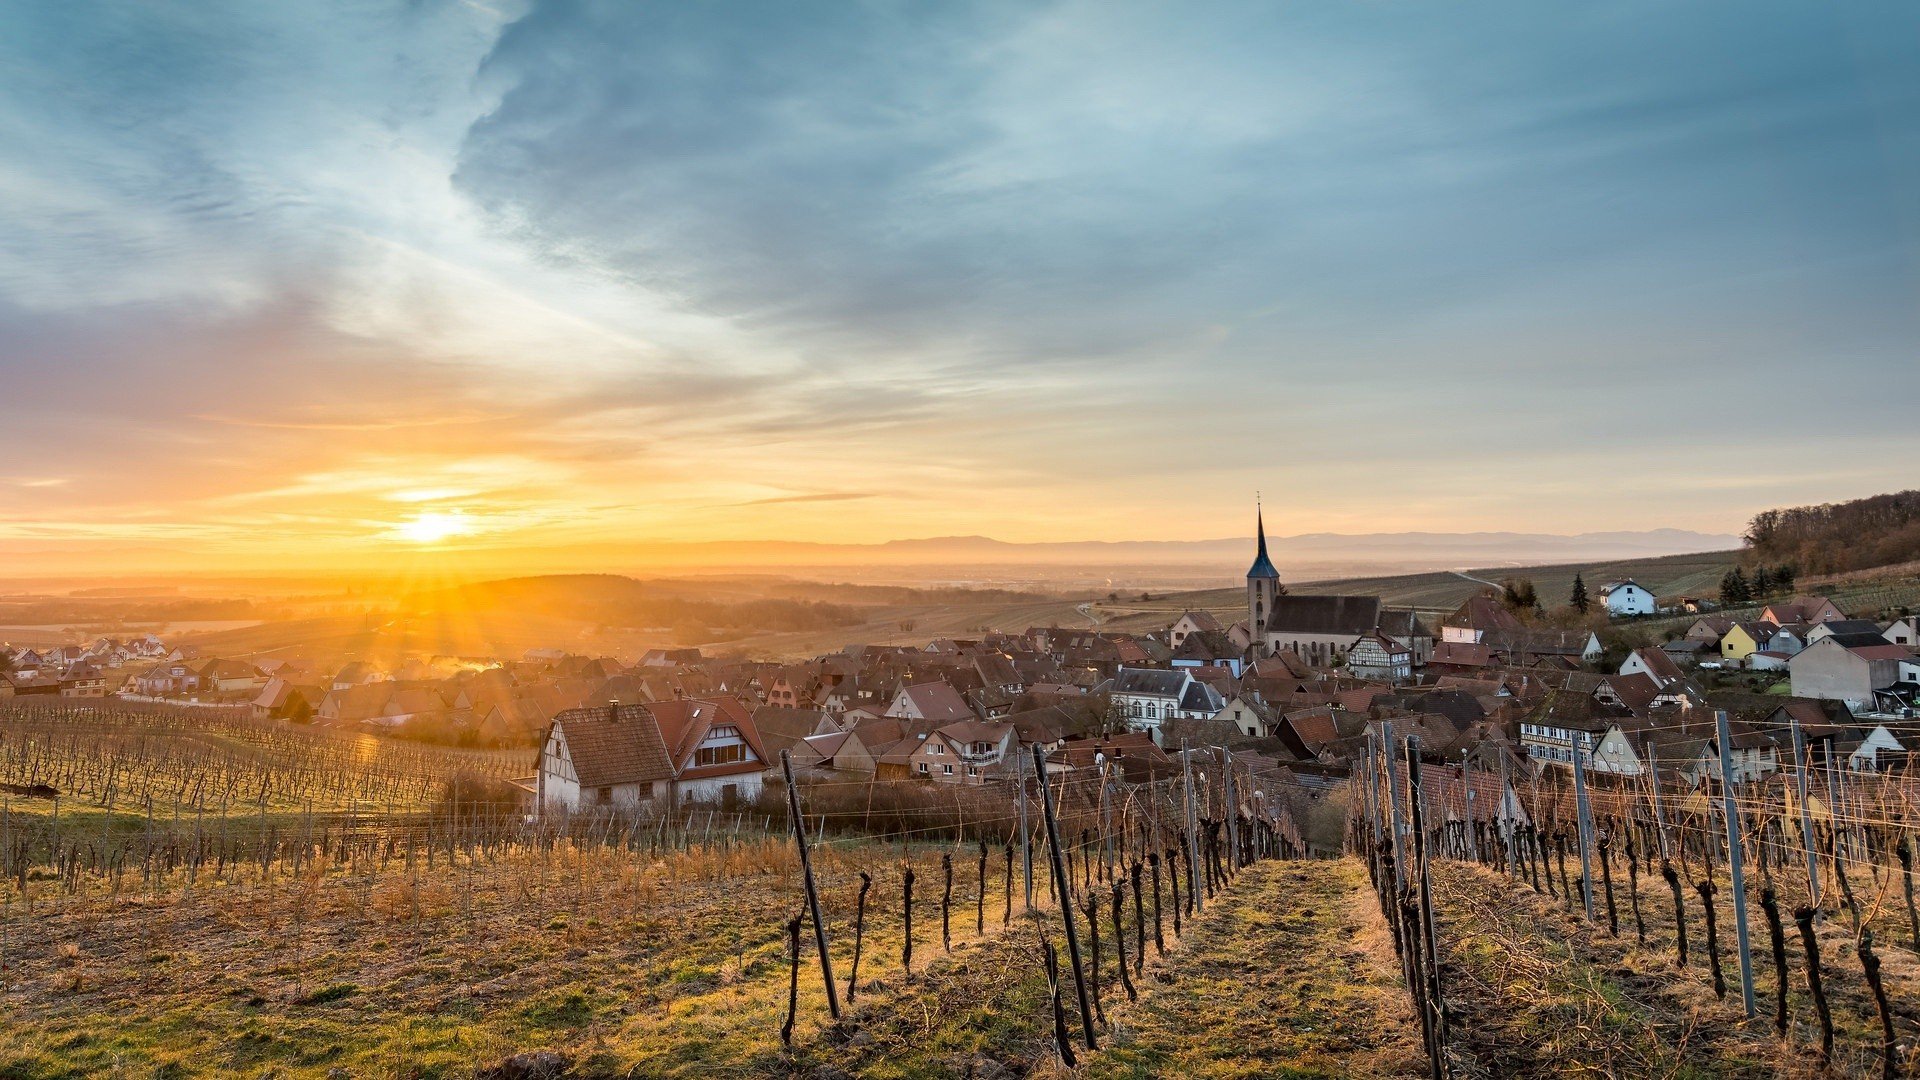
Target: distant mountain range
1410, 550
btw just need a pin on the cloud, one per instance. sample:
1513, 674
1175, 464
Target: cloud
816, 497
1054, 262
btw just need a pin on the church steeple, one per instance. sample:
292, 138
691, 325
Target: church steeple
1263, 586
1262, 566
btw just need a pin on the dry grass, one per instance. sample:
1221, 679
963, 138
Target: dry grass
1540, 992
675, 966
1285, 977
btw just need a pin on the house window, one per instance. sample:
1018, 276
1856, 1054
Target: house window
947, 769
606, 795
923, 766
719, 755
971, 771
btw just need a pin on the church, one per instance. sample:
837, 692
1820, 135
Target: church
1321, 629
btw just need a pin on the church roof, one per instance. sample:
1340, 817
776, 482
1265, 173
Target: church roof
1347, 616
1262, 566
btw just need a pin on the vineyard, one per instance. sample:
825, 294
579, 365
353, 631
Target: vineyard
210, 897
318, 904
1790, 899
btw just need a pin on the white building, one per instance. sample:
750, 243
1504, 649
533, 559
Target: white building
1626, 598
1148, 697
689, 749
1376, 656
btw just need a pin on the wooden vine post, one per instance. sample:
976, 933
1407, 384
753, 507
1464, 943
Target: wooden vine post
813, 894
1806, 814
1430, 940
1736, 861
859, 931
1066, 893
1583, 820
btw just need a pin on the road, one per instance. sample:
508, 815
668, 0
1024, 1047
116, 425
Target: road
1470, 577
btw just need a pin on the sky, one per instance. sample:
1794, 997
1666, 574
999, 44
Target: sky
299, 284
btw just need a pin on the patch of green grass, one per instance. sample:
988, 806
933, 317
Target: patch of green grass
326, 995
570, 1010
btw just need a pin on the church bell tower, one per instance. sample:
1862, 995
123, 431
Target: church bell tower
1263, 586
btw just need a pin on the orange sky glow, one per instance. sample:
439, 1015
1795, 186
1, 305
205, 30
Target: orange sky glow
273, 299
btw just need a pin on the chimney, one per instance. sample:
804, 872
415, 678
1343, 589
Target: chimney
613, 708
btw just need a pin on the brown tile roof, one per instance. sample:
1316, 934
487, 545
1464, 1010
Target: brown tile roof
937, 701
1360, 699
1476, 687
1080, 753
1882, 652
1462, 654
1283, 664
780, 726
1636, 691
1483, 612
684, 724
1047, 725
1660, 664
968, 731
1202, 620
614, 745
1313, 727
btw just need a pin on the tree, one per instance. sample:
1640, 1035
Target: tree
1734, 588
1783, 576
1579, 600
1104, 716
298, 711
1762, 582
1518, 594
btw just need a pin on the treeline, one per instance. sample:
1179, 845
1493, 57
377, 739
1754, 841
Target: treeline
95, 613
610, 600
752, 615
906, 594
1834, 538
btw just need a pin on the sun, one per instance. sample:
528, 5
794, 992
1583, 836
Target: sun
431, 527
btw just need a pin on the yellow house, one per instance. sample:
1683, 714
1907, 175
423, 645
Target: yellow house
1744, 640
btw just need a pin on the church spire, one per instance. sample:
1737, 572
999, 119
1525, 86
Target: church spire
1262, 566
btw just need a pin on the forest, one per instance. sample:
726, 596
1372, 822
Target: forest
1834, 538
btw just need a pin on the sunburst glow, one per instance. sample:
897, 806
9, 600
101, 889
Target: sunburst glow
432, 527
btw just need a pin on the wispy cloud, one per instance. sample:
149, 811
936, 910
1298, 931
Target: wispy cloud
349, 425
815, 497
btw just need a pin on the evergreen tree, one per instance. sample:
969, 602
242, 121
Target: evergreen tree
1762, 582
1579, 601
1783, 577
1734, 588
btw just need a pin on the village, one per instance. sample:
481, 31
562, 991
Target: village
1292, 690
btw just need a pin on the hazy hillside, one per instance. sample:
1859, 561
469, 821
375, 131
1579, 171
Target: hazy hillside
1406, 550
